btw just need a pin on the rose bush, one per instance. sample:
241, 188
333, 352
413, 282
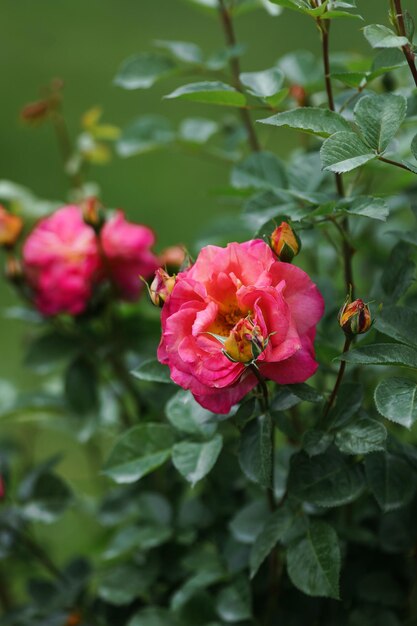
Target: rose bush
223, 287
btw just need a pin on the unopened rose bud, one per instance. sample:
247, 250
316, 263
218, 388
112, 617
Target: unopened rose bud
74, 619
10, 228
93, 213
299, 94
161, 287
173, 257
285, 243
13, 270
354, 317
35, 112
2, 488
245, 342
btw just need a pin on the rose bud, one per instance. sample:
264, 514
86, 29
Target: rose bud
13, 270
245, 342
299, 94
10, 228
285, 243
161, 287
35, 112
354, 317
2, 488
93, 214
173, 257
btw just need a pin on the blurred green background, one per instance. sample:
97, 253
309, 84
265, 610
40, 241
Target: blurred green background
83, 42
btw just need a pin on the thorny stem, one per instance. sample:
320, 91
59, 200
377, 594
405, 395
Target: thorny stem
235, 69
324, 27
407, 49
339, 378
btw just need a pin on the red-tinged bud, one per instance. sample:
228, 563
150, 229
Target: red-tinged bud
2, 488
299, 94
354, 317
35, 112
161, 287
93, 212
173, 257
245, 342
74, 619
285, 242
13, 270
10, 228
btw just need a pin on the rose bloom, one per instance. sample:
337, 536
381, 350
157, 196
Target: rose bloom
279, 302
61, 260
128, 256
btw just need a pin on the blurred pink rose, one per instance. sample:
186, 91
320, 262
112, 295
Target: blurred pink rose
225, 285
128, 256
61, 260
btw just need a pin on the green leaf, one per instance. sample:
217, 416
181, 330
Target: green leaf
361, 437
152, 371
398, 322
390, 479
366, 206
380, 36
414, 146
46, 351
321, 122
209, 93
382, 354
302, 68
255, 452
379, 117
139, 451
248, 522
399, 272
260, 170
396, 399
196, 460
188, 416
263, 84
313, 562
273, 530
348, 402
184, 51
142, 71
81, 387
141, 537
316, 441
145, 134
46, 497
123, 583
324, 480
197, 130
152, 617
234, 602
344, 151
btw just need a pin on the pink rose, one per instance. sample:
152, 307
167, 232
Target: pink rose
128, 256
225, 285
61, 260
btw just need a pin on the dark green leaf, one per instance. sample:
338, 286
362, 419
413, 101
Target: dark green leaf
209, 93
398, 322
46, 351
382, 354
321, 122
314, 561
234, 602
123, 583
379, 117
396, 399
344, 151
399, 272
81, 387
263, 84
261, 170
324, 480
248, 522
49, 497
142, 71
348, 402
255, 452
316, 441
366, 206
361, 437
139, 451
188, 416
184, 51
152, 371
152, 617
196, 460
142, 537
197, 130
273, 530
390, 479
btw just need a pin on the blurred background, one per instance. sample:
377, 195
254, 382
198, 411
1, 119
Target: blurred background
83, 42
